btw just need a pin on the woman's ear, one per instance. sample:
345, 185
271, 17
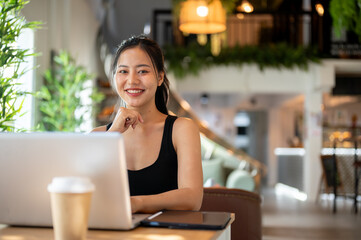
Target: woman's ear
160, 78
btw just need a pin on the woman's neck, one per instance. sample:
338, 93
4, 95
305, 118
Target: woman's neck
149, 114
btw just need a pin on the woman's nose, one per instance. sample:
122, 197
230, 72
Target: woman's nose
133, 77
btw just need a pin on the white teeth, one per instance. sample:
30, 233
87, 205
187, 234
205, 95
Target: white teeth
134, 91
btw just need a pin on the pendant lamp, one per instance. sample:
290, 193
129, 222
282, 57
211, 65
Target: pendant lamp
320, 10
202, 17
245, 6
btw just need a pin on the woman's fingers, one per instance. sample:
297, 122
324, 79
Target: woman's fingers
125, 118
138, 119
130, 117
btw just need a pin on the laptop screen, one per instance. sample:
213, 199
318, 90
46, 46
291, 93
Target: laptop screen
29, 161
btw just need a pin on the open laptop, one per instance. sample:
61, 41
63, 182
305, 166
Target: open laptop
29, 161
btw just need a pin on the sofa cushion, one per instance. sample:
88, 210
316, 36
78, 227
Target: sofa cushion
213, 169
229, 160
240, 179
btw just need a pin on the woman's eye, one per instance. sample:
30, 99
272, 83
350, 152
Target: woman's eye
122, 71
143, 72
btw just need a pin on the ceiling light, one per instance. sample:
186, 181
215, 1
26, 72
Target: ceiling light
319, 9
202, 11
202, 17
245, 6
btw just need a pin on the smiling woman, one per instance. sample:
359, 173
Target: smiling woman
162, 151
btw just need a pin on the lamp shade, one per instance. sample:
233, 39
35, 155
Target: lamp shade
201, 17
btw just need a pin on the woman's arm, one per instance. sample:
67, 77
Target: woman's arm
100, 129
188, 196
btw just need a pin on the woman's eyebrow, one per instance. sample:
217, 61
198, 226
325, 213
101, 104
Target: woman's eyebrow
122, 66
143, 65
139, 65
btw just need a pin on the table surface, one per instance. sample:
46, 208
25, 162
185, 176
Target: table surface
34, 233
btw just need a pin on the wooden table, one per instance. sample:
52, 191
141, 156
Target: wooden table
140, 233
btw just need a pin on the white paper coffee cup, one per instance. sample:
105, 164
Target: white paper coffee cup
70, 205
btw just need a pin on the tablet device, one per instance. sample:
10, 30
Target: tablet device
188, 220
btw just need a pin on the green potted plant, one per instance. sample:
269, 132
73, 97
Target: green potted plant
12, 24
61, 94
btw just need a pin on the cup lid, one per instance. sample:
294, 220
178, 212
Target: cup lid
70, 184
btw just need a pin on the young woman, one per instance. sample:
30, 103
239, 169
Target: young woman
163, 152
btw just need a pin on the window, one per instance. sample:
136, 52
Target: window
26, 121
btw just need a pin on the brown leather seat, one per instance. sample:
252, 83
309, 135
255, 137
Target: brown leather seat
246, 206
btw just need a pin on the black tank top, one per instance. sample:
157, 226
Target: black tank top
162, 175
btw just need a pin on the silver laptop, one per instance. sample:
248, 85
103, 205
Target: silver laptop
29, 161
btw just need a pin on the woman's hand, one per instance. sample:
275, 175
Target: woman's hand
124, 119
136, 203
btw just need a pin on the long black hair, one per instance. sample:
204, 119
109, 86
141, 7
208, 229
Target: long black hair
155, 53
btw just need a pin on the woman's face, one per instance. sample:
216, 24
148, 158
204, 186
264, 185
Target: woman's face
136, 79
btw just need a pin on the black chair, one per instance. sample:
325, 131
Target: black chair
357, 166
331, 176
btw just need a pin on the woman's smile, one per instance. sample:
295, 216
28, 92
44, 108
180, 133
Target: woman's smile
134, 92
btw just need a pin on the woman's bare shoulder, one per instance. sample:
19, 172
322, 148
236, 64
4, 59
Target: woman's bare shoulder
100, 129
184, 125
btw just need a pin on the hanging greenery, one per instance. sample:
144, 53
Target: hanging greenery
193, 58
346, 14
12, 24
61, 95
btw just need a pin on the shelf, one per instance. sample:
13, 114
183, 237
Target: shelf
103, 120
107, 105
108, 91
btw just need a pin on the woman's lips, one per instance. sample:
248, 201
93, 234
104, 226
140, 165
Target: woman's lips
134, 92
